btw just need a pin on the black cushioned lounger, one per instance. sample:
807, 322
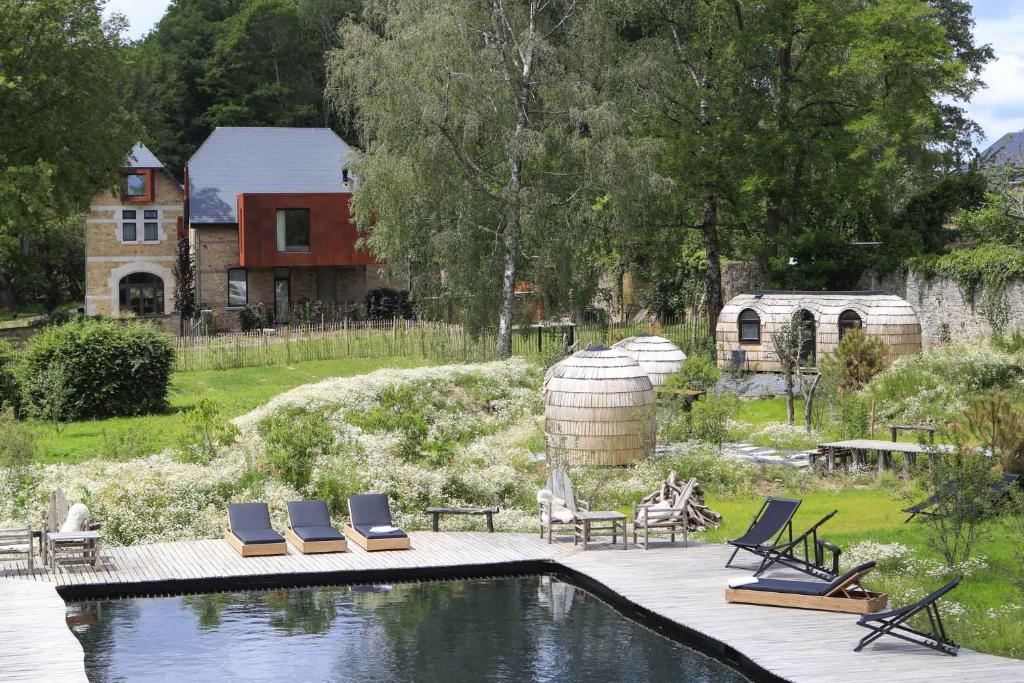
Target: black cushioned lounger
250, 532
842, 594
894, 623
922, 508
310, 529
370, 510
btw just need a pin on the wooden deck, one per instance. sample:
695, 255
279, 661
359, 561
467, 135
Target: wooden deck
684, 585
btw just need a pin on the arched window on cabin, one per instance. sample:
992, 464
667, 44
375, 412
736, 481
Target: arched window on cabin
750, 326
808, 347
142, 294
849, 320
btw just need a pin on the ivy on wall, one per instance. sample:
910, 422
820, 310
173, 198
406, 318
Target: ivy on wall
982, 274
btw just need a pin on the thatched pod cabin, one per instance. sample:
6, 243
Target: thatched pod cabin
598, 409
743, 335
657, 356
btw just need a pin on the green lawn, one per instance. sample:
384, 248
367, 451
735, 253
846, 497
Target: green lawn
234, 391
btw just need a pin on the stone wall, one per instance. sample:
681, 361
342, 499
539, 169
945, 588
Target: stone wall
943, 310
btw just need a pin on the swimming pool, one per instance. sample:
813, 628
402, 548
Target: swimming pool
510, 629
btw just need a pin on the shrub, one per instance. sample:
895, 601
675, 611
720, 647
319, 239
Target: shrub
255, 317
859, 358
854, 416
205, 432
107, 368
711, 415
9, 399
293, 439
385, 303
698, 373
17, 453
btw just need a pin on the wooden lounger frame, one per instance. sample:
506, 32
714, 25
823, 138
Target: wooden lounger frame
846, 597
254, 549
313, 547
372, 544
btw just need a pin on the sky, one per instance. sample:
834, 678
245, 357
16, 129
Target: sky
999, 108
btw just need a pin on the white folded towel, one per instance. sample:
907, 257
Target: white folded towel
384, 529
746, 580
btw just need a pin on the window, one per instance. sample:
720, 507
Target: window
238, 287
142, 294
128, 227
150, 214
848, 320
293, 230
135, 185
750, 326
150, 233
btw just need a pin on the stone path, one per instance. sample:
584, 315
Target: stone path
765, 455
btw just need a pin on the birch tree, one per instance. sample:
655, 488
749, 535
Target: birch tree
478, 145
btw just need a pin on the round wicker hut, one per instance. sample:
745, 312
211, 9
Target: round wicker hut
657, 356
747, 322
598, 409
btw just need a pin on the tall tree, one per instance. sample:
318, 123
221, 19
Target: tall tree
63, 130
479, 143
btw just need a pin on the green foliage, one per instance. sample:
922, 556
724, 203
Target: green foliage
698, 373
255, 317
854, 416
385, 303
205, 432
10, 398
106, 368
985, 270
293, 439
997, 423
710, 417
859, 358
17, 456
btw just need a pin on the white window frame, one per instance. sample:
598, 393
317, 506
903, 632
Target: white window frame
122, 221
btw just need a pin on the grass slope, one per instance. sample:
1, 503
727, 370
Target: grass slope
234, 391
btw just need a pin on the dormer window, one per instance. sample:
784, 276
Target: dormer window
136, 185
293, 229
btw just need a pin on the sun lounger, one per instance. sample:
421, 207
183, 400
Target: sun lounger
772, 521
805, 553
924, 507
842, 594
371, 526
310, 529
250, 533
894, 623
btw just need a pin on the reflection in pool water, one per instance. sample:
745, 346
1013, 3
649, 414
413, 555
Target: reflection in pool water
521, 629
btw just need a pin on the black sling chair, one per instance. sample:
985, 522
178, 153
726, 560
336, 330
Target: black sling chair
894, 623
764, 538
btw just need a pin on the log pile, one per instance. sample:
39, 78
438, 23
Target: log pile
699, 516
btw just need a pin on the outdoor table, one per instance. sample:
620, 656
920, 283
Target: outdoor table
73, 547
588, 522
436, 513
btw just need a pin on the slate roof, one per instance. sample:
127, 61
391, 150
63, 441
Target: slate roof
1008, 149
141, 157
234, 161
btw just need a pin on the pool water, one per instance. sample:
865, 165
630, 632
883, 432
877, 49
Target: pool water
514, 629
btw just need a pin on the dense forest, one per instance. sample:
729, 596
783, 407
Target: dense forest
548, 141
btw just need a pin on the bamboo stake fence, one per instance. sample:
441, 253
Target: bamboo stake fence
433, 341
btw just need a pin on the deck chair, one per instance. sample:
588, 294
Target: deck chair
371, 526
250, 532
924, 507
310, 529
17, 543
558, 503
657, 518
842, 594
54, 521
772, 521
894, 623
805, 553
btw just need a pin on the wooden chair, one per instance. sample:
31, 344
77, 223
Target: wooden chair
56, 515
649, 518
561, 488
17, 542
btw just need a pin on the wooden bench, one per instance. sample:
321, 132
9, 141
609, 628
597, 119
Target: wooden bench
436, 513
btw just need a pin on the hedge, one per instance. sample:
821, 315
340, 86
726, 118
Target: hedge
103, 369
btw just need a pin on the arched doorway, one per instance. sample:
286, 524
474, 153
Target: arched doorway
808, 349
849, 320
141, 294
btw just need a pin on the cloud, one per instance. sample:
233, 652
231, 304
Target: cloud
142, 14
999, 108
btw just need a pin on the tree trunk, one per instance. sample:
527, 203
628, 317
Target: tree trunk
787, 374
508, 286
7, 299
809, 401
713, 274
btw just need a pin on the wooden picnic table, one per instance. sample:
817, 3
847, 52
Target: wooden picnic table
855, 452
436, 512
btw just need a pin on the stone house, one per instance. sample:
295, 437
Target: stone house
269, 223
131, 234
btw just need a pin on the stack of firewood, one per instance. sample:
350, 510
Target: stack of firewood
698, 515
